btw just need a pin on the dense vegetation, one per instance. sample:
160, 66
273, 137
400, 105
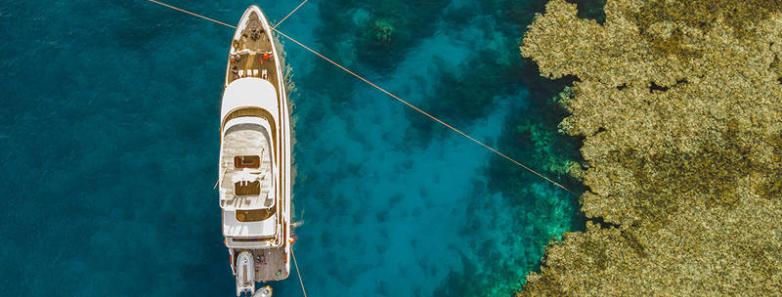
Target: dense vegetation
680, 104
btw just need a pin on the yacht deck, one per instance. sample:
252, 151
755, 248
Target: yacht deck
252, 54
269, 263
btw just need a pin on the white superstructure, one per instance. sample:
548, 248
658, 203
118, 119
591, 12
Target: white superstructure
254, 168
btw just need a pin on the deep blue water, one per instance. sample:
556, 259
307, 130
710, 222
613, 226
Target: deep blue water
109, 141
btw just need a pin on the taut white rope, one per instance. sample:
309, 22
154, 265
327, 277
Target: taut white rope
192, 13
423, 112
290, 14
298, 272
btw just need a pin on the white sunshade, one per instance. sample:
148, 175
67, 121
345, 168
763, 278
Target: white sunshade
250, 92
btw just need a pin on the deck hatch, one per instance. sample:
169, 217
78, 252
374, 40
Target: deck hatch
247, 161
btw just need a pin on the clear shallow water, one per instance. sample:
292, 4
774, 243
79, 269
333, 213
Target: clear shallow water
108, 142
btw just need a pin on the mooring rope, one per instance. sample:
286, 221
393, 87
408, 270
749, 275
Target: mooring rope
423, 112
392, 95
289, 14
192, 13
298, 272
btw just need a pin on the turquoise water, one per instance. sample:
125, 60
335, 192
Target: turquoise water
109, 138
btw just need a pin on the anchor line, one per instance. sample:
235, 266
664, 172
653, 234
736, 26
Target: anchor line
298, 272
423, 112
192, 13
290, 14
384, 91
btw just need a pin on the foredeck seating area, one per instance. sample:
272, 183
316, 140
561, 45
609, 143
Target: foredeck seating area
251, 54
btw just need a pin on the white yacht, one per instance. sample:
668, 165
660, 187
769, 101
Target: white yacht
255, 158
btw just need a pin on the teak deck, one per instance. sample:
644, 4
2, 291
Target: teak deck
250, 49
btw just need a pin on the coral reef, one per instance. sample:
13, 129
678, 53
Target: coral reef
679, 104
383, 30
377, 33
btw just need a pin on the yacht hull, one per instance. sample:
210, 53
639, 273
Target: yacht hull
255, 156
